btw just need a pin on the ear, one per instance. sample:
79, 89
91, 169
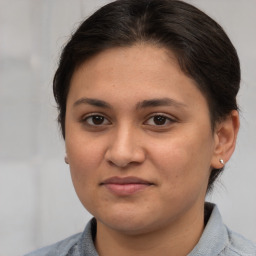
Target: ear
66, 160
225, 136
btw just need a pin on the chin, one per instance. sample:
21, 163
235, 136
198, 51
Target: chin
129, 228
130, 223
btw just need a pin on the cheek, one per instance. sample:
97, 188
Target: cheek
173, 163
184, 160
84, 161
84, 158
183, 176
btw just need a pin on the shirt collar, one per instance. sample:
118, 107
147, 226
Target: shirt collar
215, 236
212, 242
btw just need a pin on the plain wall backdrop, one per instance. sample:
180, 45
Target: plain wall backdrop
38, 205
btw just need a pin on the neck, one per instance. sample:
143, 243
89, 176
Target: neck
171, 240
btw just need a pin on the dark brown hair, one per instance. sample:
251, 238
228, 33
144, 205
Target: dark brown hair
202, 48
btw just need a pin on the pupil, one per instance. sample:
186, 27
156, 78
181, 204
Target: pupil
159, 120
97, 119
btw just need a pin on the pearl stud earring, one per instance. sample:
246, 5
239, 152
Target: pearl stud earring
222, 161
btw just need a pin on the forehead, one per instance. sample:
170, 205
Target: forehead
138, 58
137, 72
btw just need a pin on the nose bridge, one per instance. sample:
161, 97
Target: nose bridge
125, 139
124, 146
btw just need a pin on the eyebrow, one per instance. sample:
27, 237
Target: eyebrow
160, 102
140, 105
93, 102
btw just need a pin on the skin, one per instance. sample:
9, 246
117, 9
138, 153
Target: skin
124, 139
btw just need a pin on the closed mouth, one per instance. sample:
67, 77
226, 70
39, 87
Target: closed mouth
125, 180
125, 186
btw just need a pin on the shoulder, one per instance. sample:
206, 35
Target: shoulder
238, 245
79, 244
218, 240
58, 249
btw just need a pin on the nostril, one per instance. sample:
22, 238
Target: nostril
123, 165
119, 163
123, 152
110, 163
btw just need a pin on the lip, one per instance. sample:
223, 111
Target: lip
124, 186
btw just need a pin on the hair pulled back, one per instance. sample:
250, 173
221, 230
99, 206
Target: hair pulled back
202, 48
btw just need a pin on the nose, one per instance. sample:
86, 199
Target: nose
125, 148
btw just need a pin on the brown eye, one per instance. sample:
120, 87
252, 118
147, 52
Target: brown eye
96, 120
159, 120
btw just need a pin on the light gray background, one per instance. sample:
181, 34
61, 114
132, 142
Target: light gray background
38, 205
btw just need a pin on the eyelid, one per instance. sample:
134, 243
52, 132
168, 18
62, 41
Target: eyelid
87, 116
167, 116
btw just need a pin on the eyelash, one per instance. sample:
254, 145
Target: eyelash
94, 115
160, 116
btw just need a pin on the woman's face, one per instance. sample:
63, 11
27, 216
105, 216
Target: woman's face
138, 139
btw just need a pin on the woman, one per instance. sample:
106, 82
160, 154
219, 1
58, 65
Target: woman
146, 92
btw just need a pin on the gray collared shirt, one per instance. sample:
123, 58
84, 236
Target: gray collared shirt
216, 239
